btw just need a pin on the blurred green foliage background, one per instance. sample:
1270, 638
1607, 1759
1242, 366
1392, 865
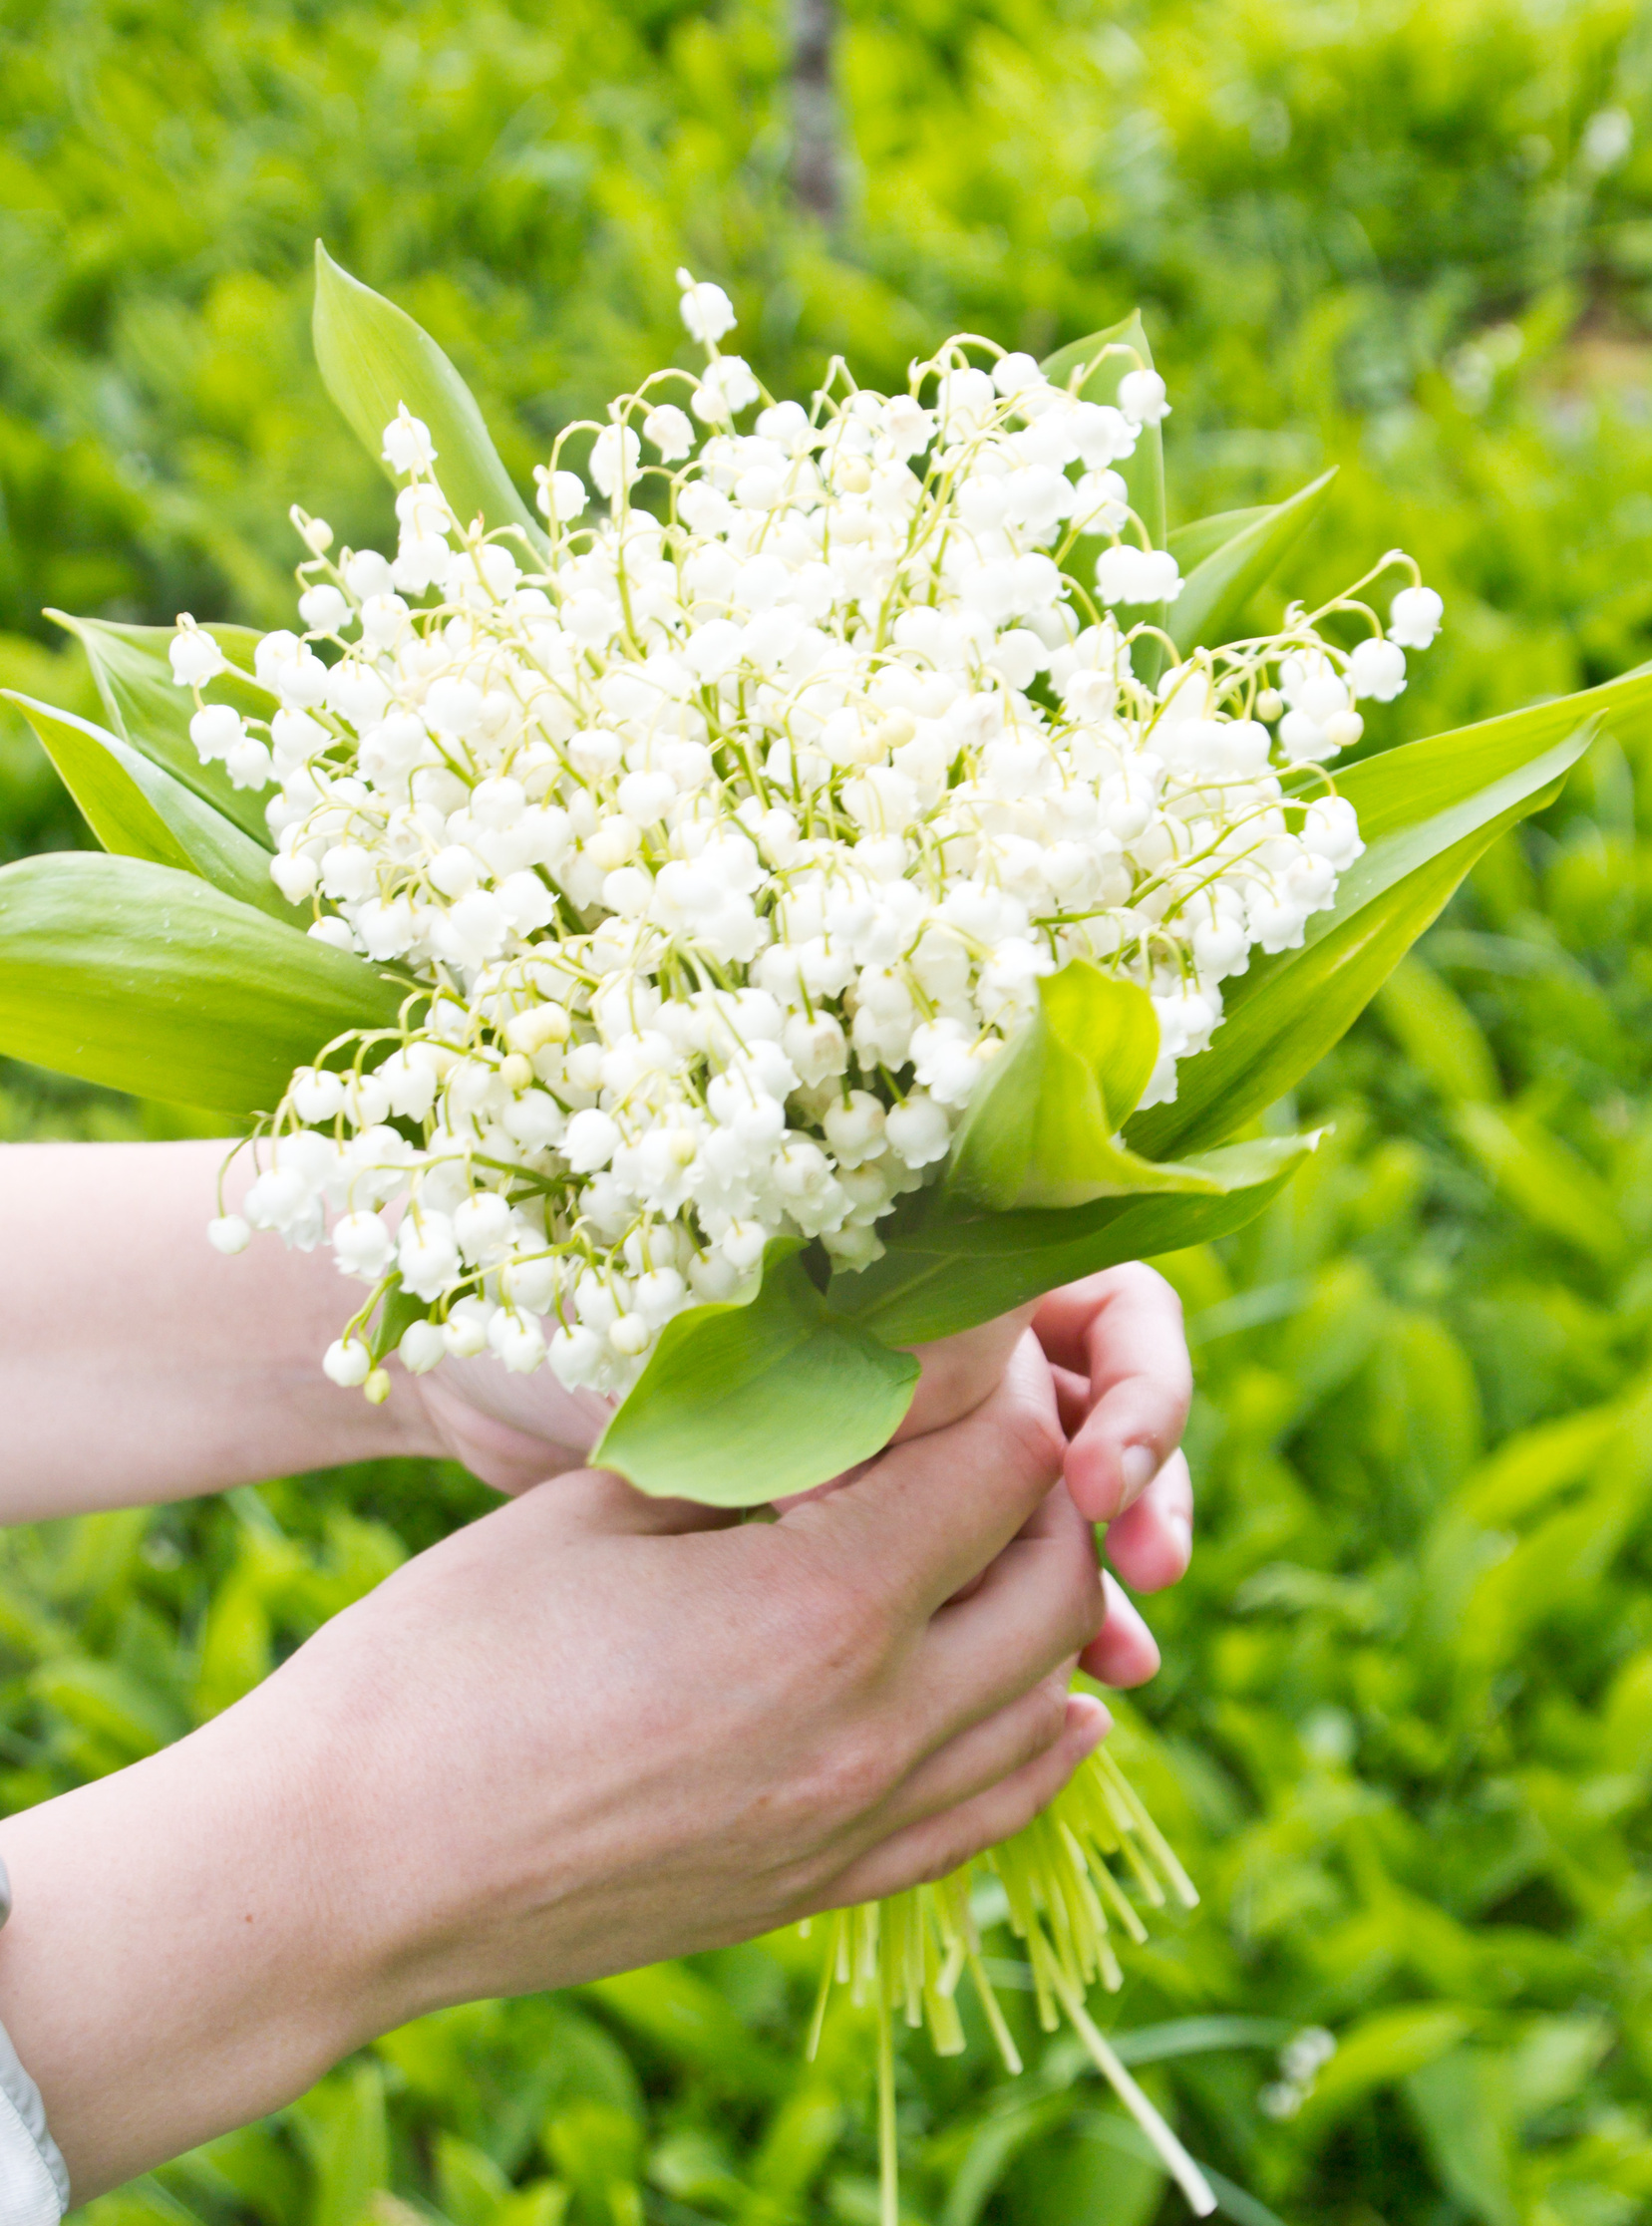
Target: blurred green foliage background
1404, 1731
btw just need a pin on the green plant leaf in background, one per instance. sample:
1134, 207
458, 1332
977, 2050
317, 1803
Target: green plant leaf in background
137, 811
1464, 2104
1426, 812
745, 1403
145, 979
374, 358
1214, 593
147, 708
1040, 1127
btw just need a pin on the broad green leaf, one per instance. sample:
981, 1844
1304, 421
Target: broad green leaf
1143, 472
765, 1396
1413, 786
1214, 594
149, 980
147, 708
1268, 1042
1426, 812
96, 769
1040, 1128
373, 358
137, 811
954, 1269
1201, 537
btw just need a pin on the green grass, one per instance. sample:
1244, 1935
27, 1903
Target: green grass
1404, 1731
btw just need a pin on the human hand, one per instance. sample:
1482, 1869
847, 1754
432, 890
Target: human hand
1120, 1366
517, 1431
1119, 1362
587, 1732
1124, 1383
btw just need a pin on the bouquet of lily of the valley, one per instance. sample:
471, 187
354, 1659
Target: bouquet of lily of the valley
834, 874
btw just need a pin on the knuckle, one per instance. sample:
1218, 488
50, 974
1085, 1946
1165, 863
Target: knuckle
946, 1852
1048, 1716
857, 1774
1135, 1279
1034, 1440
839, 1616
1026, 1804
1032, 1792
1083, 1604
864, 1619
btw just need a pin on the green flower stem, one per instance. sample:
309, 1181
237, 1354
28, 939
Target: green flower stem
908, 1952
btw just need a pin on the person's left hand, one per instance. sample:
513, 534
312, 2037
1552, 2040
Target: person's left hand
1123, 1379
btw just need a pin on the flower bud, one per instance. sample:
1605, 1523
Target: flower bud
347, 1362
422, 1347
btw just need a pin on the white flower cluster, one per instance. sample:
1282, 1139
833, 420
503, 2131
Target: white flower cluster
724, 834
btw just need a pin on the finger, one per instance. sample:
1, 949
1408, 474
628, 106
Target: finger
510, 1431
1124, 1652
1072, 1398
932, 1849
1124, 1330
929, 1516
959, 1371
984, 1754
1039, 1603
1151, 1543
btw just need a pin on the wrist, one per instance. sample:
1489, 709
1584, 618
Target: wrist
175, 1964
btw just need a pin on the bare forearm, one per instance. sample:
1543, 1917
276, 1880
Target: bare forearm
138, 1365
173, 1967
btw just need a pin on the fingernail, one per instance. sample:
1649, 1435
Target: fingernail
1181, 1534
1139, 1466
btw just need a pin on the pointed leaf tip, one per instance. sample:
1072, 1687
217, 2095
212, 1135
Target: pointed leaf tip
373, 358
1041, 1129
138, 809
1215, 591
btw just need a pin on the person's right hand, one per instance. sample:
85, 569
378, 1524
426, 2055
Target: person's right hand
586, 1732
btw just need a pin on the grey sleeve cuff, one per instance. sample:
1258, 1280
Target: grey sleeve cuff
34, 2184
